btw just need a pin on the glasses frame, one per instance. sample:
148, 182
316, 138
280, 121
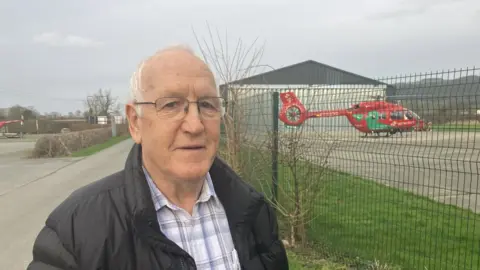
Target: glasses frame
187, 107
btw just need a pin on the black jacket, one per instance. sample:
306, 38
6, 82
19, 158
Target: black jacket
111, 224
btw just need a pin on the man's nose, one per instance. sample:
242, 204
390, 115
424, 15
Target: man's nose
192, 122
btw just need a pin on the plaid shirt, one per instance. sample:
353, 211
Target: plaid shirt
205, 235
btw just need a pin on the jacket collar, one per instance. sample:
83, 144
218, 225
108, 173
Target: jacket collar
240, 201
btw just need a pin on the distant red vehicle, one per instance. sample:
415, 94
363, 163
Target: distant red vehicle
369, 117
4, 124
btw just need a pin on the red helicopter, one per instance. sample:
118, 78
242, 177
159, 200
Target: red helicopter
369, 117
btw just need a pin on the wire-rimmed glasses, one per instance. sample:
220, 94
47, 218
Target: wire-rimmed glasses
176, 108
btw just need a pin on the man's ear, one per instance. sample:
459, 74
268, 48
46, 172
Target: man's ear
133, 123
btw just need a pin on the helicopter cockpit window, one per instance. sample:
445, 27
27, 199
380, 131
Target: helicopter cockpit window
409, 115
397, 115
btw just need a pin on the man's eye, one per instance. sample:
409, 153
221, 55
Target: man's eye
170, 105
206, 105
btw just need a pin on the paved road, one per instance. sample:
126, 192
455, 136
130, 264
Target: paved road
14, 162
444, 166
30, 189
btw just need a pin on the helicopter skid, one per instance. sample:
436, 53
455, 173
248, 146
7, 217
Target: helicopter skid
388, 132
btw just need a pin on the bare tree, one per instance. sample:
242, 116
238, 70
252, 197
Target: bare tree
297, 193
307, 178
16, 112
53, 115
230, 66
303, 173
101, 103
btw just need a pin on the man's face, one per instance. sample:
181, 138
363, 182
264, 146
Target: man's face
179, 149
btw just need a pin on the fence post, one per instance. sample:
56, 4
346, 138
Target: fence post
114, 127
22, 127
275, 101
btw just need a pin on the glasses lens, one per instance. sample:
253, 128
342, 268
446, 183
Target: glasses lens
170, 107
174, 108
211, 107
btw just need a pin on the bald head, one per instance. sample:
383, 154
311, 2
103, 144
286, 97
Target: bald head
162, 120
168, 63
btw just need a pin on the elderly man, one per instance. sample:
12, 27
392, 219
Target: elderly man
175, 205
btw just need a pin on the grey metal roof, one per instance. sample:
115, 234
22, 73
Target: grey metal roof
308, 72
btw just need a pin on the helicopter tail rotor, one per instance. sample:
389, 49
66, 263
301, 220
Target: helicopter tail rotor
293, 112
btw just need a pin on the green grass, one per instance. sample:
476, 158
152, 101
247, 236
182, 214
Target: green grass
299, 262
361, 218
358, 220
99, 147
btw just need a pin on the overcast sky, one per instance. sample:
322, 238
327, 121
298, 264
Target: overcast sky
56, 52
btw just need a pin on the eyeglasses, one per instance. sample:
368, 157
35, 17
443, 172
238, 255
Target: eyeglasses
176, 108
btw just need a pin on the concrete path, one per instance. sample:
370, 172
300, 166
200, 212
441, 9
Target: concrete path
29, 193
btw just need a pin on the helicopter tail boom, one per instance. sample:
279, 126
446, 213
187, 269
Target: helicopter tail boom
294, 113
329, 113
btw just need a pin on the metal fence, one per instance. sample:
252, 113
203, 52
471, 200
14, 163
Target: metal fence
408, 199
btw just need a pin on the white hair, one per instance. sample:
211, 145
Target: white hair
136, 89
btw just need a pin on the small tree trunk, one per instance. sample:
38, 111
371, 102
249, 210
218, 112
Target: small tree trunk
292, 233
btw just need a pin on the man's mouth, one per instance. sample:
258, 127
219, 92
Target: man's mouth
193, 147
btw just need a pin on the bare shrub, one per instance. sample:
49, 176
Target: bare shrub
305, 170
305, 180
55, 145
231, 64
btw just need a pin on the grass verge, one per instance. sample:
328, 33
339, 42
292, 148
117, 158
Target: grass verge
99, 147
359, 221
300, 262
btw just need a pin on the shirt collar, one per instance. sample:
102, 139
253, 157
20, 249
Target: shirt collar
159, 200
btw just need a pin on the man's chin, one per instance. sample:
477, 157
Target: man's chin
192, 170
